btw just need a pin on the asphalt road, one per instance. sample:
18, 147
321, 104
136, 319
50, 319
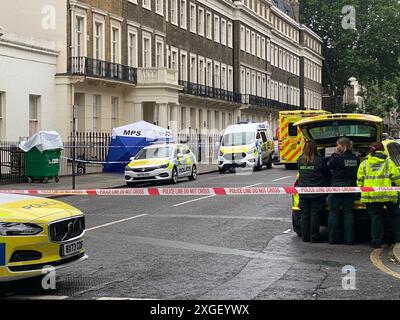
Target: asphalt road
210, 248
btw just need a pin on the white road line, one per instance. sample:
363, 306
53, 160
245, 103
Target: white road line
190, 201
281, 178
115, 222
207, 197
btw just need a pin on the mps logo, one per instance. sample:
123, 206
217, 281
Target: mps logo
136, 133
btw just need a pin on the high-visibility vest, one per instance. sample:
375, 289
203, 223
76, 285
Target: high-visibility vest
378, 171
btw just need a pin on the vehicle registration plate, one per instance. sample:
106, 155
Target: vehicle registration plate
329, 151
72, 248
143, 174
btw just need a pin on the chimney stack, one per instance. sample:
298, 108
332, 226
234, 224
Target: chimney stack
296, 9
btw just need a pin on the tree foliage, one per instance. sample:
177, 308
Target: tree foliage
370, 52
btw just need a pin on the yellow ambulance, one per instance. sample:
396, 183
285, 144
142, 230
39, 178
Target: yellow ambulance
290, 137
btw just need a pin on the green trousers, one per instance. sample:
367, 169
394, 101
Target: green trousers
346, 203
376, 210
310, 220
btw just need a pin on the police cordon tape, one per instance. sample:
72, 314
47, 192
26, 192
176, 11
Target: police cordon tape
254, 191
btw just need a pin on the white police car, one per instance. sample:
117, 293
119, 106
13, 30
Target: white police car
162, 162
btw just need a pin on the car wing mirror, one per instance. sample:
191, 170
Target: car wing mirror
132, 158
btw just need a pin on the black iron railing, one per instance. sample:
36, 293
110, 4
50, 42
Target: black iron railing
206, 91
84, 66
12, 163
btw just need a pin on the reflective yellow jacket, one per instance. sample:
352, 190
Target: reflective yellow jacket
378, 170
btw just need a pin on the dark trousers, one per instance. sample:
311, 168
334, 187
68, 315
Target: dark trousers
310, 220
346, 203
375, 210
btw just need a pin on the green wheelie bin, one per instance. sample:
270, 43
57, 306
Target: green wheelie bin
42, 166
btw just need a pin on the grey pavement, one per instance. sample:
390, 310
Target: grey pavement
187, 247
91, 181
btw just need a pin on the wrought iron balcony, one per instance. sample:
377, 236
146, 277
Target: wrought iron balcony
84, 66
208, 92
268, 103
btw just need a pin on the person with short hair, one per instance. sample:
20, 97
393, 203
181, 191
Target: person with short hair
313, 172
378, 170
344, 166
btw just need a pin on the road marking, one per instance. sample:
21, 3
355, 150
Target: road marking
115, 222
190, 201
376, 260
207, 197
193, 216
284, 178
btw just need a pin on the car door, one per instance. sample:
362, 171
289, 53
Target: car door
264, 146
187, 160
181, 161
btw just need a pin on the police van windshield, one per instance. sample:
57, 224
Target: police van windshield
155, 153
238, 139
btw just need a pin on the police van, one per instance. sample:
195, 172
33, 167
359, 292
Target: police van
244, 145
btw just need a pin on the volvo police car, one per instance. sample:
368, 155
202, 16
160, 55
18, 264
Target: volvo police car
36, 234
164, 162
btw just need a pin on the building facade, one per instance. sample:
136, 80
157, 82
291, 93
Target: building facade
192, 65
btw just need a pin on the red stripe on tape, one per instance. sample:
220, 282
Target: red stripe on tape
290, 190
154, 192
367, 189
34, 192
220, 191
92, 192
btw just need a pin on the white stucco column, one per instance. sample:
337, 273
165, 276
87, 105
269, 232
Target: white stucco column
220, 124
137, 111
163, 115
188, 118
174, 121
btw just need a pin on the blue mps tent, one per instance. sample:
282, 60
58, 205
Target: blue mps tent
128, 140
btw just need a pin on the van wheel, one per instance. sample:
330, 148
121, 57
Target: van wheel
130, 184
221, 171
193, 176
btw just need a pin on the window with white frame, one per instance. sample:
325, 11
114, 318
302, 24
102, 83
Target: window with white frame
253, 43
242, 80
280, 59
193, 18
223, 32
208, 25
209, 73
98, 39
259, 85
253, 84
160, 7
182, 14
146, 45
224, 84
146, 4
201, 70
242, 38
272, 55
174, 59
96, 113
276, 57
183, 66
2, 113
174, 12
248, 41
217, 75
201, 22
248, 82
258, 49
263, 49
159, 52
263, 86
115, 42
193, 68
230, 35
34, 114
79, 35
114, 111
132, 47
230, 78
217, 33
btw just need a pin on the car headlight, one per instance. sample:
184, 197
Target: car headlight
19, 229
164, 166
